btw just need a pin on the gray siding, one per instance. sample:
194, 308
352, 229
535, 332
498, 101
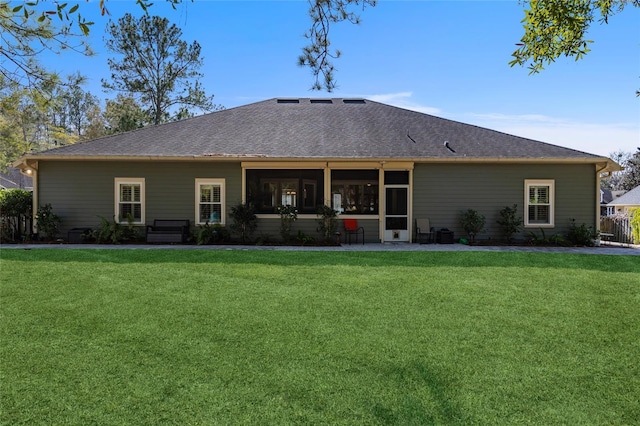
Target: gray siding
442, 191
82, 192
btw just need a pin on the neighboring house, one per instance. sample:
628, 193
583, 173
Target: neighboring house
12, 179
382, 165
607, 196
627, 201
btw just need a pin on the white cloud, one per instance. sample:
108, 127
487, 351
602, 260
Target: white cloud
595, 138
402, 100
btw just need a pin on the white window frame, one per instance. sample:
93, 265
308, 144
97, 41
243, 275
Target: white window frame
207, 181
550, 183
118, 182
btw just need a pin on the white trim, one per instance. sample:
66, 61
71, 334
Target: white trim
550, 183
116, 187
206, 181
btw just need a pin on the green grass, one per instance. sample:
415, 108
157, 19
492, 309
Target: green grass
260, 337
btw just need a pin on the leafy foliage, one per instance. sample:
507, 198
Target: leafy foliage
628, 178
318, 54
210, 233
27, 31
15, 208
555, 28
116, 233
634, 222
245, 221
54, 113
288, 215
509, 222
543, 240
582, 235
48, 221
472, 222
156, 67
327, 222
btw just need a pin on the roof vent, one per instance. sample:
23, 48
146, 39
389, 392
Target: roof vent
353, 101
288, 101
321, 101
446, 144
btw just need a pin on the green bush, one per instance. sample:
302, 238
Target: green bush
327, 222
116, 233
15, 210
582, 235
634, 222
245, 221
472, 222
509, 222
48, 221
288, 215
209, 234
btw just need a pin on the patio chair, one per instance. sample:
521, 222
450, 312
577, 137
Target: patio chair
351, 228
424, 231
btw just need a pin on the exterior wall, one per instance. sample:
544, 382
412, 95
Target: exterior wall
442, 191
82, 192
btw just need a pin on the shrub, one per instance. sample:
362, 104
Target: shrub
509, 222
116, 233
582, 235
208, 234
634, 222
288, 215
327, 222
304, 238
472, 222
15, 209
555, 239
245, 221
48, 221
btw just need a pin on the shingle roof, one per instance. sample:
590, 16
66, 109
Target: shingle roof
317, 128
631, 198
14, 179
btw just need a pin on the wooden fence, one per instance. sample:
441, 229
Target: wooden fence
616, 228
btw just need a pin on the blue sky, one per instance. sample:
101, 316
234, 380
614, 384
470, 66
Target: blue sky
446, 58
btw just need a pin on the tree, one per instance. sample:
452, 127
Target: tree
26, 32
156, 67
318, 55
631, 177
555, 28
628, 178
124, 114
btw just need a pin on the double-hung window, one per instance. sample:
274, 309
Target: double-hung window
210, 201
129, 197
539, 202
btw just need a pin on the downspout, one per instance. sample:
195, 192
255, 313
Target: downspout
598, 180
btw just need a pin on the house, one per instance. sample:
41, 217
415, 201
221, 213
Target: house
382, 165
607, 196
626, 202
13, 179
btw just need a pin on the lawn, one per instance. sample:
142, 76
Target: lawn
265, 337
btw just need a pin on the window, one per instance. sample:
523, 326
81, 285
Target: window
269, 189
129, 197
355, 191
210, 201
539, 202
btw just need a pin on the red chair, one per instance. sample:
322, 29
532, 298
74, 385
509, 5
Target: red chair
351, 228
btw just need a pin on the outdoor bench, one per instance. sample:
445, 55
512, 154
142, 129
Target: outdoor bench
168, 231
